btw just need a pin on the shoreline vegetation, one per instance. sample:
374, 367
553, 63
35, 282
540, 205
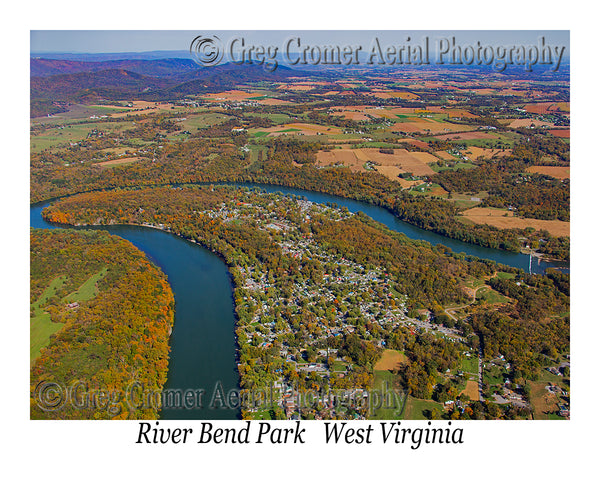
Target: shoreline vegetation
429, 213
526, 250
113, 337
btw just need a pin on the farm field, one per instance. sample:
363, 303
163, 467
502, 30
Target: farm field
145, 108
505, 219
428, 126
560, 132
547, 107
390, 360
300, 128
471, 390
473, 152
468, 136
231, 96
529, 122
118, 161
72, 131
556, 172
401, 161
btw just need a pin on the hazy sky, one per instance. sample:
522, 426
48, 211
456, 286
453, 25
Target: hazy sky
111, 41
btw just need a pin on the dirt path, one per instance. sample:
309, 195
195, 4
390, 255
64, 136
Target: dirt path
449, 311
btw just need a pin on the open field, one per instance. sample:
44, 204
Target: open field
145, 108
392, 172
64, 134
456, 166
467, 136
390, 165
417, 409
342, 156
118, 161
556, 172
427, 126
445, 155
474, 153
471, 390
231, 96
386, 397
560, 132
41, 326
529, 122
356, 116
273, 101
203, 120
470, 364
76, 112
547, 107
413, 162
491, 296
543, 402
497, 218
300, 128
88, 290
452, 112
390, 360
387, 94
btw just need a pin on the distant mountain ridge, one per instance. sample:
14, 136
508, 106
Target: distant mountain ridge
163, 79
104, 57
44, 67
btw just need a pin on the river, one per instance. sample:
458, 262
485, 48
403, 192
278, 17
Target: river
203, 352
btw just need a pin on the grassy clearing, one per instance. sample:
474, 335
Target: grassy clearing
386, 400
493, 375
339, 366
198, 121
488, 295
472, 282
543, 403
88, 290
390, 360
418, 409
471, 390
66, 134
41, 326
506, 275
470, 364
253, 153
458, 166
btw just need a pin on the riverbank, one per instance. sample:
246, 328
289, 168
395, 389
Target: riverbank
336, 194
